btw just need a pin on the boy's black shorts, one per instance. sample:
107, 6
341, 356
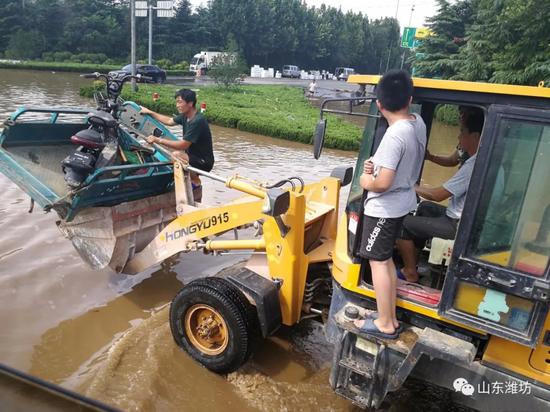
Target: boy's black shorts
378, 237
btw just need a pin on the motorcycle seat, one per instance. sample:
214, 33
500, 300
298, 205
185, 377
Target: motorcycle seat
101, 118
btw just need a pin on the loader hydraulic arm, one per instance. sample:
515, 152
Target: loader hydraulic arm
194, 223
296, 227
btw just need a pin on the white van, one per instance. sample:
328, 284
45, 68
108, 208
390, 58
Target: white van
342, 73
291, 71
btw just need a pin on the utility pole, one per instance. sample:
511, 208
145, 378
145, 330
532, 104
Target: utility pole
391, 39
133, 42
150, 59
404, 50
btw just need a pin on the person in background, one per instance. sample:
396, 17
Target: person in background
311, 88
196, 145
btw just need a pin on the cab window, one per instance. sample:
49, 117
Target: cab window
497, 280
513, 230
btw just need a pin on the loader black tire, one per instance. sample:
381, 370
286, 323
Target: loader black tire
235, 321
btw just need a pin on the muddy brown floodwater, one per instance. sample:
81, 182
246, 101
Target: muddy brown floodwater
106, 335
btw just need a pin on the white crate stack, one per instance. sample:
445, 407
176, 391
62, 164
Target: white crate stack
258, 71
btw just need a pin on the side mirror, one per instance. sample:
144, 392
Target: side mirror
319, 138
343, 173
276, 202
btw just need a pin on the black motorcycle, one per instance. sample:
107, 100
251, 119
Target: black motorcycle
97, 145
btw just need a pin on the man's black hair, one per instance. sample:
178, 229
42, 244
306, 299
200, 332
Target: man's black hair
473, 119
394, 90
187, 95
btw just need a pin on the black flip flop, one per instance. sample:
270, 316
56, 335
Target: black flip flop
374, 315
371, 329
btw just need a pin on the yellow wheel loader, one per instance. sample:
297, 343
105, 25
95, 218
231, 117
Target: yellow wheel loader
479, 326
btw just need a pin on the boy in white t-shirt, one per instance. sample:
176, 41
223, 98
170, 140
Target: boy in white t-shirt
389, 177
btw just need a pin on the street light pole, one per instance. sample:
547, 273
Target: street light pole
150, 33
133, 42
391, 39
404, 50
164, 8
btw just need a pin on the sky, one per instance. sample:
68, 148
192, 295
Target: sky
375, 9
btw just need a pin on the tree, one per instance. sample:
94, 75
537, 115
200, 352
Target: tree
25, 45
227, 69
504, 41
508, 43
11, 20
439, 51
94, 26
489, 40
385, 45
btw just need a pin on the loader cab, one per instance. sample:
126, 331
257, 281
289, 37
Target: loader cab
492, 300
494, 277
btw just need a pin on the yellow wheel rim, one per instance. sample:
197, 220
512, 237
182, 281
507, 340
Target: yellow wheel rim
206, 329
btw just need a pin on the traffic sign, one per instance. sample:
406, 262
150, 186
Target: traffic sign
407, 40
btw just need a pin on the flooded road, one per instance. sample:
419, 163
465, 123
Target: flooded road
106, 335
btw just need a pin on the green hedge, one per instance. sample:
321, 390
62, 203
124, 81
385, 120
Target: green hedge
276, 111
77, 67
59, 67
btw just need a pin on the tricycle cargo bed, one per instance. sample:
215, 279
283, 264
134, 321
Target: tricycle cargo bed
34, 143
110, 236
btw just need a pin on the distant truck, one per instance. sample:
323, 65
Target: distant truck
203, 61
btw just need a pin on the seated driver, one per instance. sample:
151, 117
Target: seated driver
458, 157
433, 219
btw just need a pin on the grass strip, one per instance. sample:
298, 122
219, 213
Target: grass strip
276, 111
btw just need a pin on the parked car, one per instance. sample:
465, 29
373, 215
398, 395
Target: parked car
342, 73
155, 73
291, 71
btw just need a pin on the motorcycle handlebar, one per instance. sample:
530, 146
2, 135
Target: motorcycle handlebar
93, 75
96, 75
